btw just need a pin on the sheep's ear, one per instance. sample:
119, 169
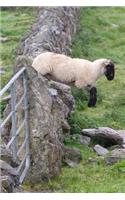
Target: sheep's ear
106, 62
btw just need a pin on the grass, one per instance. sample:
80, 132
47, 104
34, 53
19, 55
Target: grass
14, 25
86, 178
100, 34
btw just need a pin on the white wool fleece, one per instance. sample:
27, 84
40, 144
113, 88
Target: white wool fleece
66, 69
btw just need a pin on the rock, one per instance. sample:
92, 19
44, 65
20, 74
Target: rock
53, 92
84, 140
9, 177
101, 151
123, 146
5, 166
72, 156
3, 39
115, 156
65, 93
2, 71
122, 134
7, 184
119, 153
20, 189
104, 136
95, 159
5, 154
114, 25
92, 160
52, 31
6, 98
70, 163
115, 147
110, 160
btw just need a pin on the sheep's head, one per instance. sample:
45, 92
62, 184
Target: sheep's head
109, 70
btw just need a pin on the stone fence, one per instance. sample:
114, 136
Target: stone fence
50, 103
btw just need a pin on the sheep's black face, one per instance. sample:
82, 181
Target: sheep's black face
110, 71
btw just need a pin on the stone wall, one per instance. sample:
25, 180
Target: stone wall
52, 32
50, 103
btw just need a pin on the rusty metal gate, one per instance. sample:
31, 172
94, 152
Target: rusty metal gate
22, 129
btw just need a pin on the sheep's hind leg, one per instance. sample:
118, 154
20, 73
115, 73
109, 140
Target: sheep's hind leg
93, 97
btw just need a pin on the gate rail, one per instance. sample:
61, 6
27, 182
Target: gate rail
16, 131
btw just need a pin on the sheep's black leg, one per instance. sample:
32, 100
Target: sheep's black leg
93, 97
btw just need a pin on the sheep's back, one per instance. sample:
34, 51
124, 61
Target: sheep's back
82, 68
63, 68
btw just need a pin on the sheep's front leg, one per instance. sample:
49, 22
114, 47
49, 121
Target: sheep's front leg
93, 97
91, 88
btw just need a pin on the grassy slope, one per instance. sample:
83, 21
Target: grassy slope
97, 37
101, 35
14, 24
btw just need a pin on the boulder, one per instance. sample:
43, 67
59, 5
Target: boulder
72, 156
85, 140
115, 156
122, 134
110, 160
119, 153
104, 136
101, 151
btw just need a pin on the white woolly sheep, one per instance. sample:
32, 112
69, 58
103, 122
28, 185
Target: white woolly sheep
82, 72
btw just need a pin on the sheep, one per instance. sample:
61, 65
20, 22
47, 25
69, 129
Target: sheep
83, 73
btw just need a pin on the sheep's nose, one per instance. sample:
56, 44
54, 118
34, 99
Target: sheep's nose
111, 77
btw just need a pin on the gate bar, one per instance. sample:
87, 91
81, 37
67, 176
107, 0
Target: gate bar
7, 86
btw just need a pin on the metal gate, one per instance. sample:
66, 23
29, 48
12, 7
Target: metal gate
23, 129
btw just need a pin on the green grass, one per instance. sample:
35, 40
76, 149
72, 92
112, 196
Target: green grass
87, 177
15, 23
100, 34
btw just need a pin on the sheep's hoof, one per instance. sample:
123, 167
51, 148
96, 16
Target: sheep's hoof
91, 104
